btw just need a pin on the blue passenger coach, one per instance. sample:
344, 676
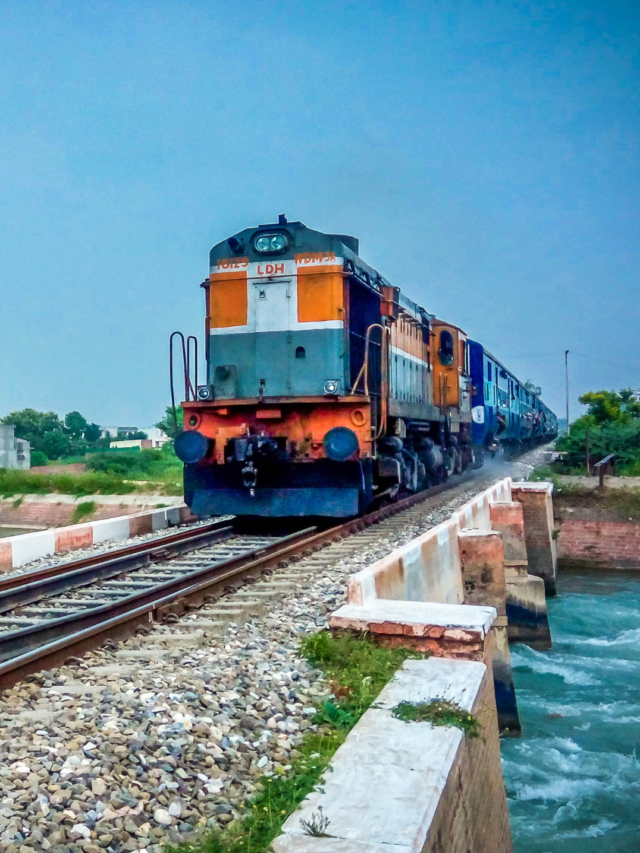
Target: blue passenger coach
503, 411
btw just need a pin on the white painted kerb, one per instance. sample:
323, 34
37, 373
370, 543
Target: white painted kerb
386, 780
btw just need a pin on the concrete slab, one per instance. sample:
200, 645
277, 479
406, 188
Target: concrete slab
74, 689
142, 654
420, 615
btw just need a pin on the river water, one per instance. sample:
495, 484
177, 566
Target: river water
573, 779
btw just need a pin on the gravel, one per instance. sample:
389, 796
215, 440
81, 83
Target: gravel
153, 740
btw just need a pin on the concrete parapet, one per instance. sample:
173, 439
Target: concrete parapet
425, 569
428, 567
482, 565
397, 787
537, 506
16, 551
476, 513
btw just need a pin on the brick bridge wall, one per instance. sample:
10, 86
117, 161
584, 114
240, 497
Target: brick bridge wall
584, 543
35, 514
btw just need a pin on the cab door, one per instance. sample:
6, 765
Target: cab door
271, 313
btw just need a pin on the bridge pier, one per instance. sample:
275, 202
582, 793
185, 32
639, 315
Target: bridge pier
483, 573
537, 507
525, 593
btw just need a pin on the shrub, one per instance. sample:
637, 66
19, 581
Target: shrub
38, 458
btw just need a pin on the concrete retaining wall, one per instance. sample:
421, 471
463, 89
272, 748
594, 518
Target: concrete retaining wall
16, 551
396, 787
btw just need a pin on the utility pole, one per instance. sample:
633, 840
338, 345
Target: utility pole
566, 379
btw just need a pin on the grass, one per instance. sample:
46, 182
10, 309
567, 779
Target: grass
83, 510
543, 473
16, 482
438, 712
624, 503
357, 670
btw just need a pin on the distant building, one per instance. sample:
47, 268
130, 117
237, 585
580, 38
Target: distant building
156, 438
14, 452
117, 431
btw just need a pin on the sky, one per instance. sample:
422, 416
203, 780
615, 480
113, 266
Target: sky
484, 153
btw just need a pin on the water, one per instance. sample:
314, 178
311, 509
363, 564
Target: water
573, 780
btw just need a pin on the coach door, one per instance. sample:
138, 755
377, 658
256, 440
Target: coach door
271, 314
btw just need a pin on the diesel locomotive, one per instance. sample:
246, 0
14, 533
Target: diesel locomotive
328, 388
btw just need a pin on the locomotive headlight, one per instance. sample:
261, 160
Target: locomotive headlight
270, 243
340, 443
191, 446
331, 386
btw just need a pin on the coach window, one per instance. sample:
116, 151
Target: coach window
489, 371
301, 352
446, 351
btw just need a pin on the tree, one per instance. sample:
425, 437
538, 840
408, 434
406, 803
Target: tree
167, 424
75, 424
32, 425
92, 433
605, 407
46, 433
137, 434
55, 444
612, 421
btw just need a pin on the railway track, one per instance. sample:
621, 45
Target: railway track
52, 614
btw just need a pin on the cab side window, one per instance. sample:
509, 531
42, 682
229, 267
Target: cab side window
446, 351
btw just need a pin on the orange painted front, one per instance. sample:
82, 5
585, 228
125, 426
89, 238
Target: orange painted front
320, 293
228, 299
306, 424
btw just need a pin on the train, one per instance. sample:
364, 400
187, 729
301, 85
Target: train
328, 389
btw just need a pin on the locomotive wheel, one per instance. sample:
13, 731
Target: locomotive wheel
478, 459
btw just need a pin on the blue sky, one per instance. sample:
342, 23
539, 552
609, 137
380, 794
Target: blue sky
485, 153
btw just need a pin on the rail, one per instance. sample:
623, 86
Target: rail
51, 642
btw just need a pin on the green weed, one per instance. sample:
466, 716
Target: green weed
83, 510
438, 712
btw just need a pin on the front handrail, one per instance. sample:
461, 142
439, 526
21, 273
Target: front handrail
189, 348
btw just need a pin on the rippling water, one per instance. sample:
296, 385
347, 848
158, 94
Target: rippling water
573, 780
